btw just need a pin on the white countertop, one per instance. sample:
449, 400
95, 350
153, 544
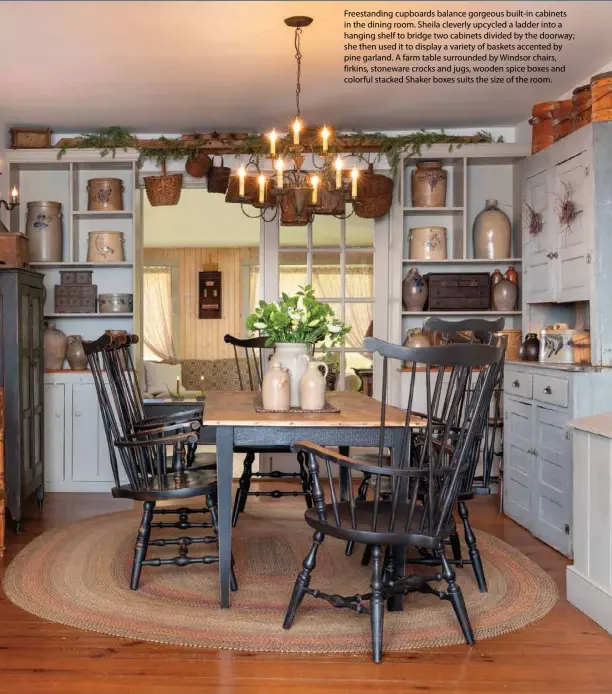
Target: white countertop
556, 367
600, 424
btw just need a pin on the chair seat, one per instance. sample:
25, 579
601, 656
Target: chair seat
204, 461
364, 510
190, 483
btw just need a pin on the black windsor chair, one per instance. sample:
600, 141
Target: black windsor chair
152, 473
250, 377
425, 482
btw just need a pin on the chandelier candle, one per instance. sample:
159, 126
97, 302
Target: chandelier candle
354, 176
325, 137
338, 172
273, 136
296, 131
262, 188
279, 173
14, 194
315, 184
241, 175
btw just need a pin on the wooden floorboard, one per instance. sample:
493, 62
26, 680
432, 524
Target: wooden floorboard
564, 653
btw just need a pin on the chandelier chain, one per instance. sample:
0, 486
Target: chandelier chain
298, 59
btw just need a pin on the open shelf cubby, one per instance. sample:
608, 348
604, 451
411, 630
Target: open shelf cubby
40, 175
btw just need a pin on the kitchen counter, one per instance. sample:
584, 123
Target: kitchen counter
558, 367
589, 579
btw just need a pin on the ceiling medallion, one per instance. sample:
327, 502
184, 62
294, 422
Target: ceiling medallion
326, 190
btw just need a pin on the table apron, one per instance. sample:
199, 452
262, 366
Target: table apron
368, 437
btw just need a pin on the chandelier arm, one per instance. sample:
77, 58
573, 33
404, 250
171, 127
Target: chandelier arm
273, 217
252, 216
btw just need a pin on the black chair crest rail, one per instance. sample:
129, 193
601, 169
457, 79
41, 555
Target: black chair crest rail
142, 453
425, 481
250, 376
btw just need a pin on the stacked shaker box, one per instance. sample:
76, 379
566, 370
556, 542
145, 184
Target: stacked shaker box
459, 292
76, 293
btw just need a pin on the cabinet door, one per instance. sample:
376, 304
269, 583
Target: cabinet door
537, 250
37, 380
552, 483
55, 444
90, 457
573, 264
519, 461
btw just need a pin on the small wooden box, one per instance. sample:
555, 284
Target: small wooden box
76, 277
30, 138
209, 294
13, 250
75, 298
459, 291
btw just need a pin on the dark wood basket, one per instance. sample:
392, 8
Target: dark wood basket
219, 178
164, 190
331, 202
199, 165
375, 195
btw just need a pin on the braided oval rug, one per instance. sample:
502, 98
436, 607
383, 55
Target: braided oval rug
78, 575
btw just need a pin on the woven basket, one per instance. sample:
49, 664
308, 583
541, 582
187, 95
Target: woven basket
331, 202
219, 178
375, 195
199, 165
164, 190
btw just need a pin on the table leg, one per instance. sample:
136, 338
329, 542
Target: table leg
225, 462
396, 603
344, 477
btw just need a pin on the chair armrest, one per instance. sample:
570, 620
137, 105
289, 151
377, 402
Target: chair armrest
133, 442
193, 413
192, 426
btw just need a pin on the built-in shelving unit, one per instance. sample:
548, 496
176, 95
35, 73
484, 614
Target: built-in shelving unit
40, 175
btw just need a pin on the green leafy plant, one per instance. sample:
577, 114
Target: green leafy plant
301, 318
108, 141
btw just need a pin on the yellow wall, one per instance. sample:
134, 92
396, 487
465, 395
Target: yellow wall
203, 338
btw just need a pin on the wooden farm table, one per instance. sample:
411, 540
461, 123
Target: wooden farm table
237, 424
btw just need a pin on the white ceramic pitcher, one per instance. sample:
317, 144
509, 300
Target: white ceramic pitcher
294, 357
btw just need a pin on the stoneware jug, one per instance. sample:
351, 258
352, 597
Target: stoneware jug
54, 346
294, 357
276, 389
530, 349
504, 295
75, 354
512, 274
312, 386
492, 233
44, 232
415, 337
414, 291
428, 183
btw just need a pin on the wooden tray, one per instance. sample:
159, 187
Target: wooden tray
258, 402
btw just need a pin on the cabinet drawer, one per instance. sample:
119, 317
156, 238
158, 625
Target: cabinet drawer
521, 384
551, 389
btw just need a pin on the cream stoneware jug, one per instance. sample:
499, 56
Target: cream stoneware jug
276, 389
294, 357
312, 386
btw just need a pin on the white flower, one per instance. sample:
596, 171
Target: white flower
259, 325
300, 303
334, 328
328, 342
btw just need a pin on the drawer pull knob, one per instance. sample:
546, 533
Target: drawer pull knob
516, 383
547, 390
77, 414
58, 414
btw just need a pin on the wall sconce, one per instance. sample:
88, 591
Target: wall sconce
13, 203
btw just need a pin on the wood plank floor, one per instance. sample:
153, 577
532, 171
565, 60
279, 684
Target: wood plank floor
565, 653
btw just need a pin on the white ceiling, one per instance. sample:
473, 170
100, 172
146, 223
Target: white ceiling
200, 66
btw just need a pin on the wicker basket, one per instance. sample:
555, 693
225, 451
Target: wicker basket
219, 178
331, 202
164, 190
513, 345
375, 195
199, 165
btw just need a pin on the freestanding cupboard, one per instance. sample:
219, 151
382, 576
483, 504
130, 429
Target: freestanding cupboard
566, 279
76, 454
21, 370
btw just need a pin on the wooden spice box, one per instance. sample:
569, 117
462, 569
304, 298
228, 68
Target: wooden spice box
459, 291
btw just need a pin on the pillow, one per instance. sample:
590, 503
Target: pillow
161, 377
